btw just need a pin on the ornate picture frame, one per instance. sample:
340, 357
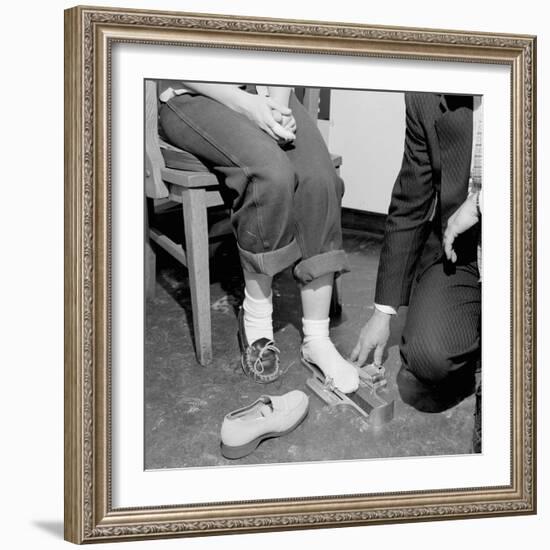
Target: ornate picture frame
90, 34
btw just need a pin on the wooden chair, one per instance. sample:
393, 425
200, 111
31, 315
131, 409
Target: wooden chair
172, 174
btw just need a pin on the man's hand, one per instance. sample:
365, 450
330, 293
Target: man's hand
374, 336
465, 217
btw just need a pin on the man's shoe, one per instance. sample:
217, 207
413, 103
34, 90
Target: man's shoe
269, 416
259, 360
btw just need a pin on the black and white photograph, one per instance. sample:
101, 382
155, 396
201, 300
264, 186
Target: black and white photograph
300, 274
313, 274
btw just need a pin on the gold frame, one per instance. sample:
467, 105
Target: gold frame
89, 34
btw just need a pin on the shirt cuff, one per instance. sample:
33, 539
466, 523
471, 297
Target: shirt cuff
385, 309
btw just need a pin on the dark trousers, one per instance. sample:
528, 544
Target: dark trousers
441, 342
285, 200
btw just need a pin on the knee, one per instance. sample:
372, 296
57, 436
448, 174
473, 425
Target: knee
338, 185
426, 360
277, 181
334, 185
322, 187
327, 181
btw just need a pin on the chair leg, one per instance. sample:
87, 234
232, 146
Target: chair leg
196, 242
150, 254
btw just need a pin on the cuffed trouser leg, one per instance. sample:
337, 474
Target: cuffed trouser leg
258, 176
263, 219
272, 262
317, 202
285, 202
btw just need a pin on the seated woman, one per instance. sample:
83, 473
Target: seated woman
286, 200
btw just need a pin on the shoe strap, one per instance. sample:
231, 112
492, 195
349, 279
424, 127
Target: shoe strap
258, 363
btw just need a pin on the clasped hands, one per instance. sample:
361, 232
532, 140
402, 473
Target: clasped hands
274, 119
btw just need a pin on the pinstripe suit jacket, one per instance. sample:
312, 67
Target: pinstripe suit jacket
431, 185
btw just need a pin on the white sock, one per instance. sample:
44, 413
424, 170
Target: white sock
257, 317
319, 349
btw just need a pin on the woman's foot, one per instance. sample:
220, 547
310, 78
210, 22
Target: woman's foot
260, 357
318, 349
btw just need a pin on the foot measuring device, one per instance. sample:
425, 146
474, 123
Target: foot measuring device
371, 401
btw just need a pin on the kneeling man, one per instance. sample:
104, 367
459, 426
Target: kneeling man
429, 258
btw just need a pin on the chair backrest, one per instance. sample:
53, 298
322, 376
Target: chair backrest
311, 101
155, 188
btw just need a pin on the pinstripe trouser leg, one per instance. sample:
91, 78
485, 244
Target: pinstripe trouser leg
441, 340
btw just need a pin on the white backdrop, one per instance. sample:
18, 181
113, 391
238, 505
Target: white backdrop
32, 261
368, 130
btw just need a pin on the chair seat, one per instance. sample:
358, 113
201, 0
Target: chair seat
178, 159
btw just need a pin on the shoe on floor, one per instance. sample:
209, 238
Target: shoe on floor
269, 416
260, 359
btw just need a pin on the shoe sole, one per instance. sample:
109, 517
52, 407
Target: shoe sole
240, 451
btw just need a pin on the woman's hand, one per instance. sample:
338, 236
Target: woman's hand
264, 111
281, 95
272, 117
289, 123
